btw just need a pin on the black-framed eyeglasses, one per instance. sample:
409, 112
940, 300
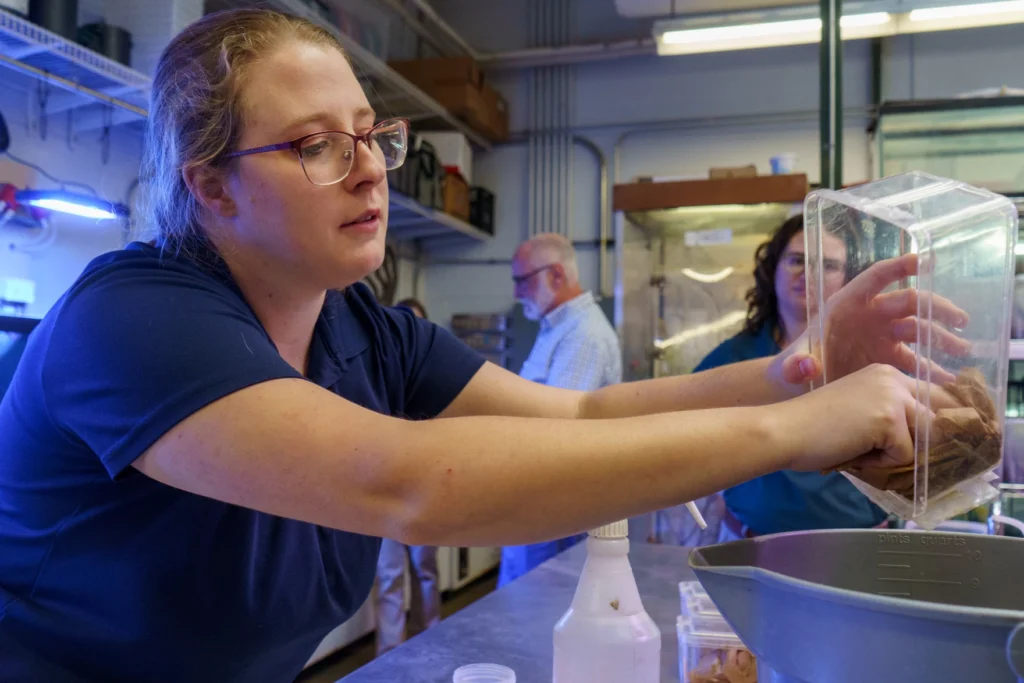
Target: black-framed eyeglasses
327, 157
520, 279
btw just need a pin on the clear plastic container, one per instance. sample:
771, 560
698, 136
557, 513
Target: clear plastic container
688, 590
708, 655
964, 238
691, 588
700, 605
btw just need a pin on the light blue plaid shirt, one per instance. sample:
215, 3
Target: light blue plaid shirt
577, 348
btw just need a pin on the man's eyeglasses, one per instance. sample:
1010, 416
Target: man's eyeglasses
327, 157
520, 279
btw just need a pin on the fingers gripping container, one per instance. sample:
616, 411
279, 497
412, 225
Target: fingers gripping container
964, 239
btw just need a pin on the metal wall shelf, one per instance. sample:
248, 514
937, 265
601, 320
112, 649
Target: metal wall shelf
45, 56
389, 93
410, 220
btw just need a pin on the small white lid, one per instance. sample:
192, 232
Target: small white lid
484, 673
615, 530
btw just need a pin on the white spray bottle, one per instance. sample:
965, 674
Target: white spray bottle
606, 636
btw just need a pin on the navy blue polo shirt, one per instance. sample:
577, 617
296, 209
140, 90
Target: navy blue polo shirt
789, 501
107, 575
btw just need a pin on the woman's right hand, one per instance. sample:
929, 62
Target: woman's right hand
866, 416
866, 324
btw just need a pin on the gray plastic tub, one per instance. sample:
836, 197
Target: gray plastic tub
873, 606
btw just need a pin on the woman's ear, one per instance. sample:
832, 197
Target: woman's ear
209, 187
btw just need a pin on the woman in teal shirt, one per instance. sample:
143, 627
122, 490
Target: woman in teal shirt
777, 315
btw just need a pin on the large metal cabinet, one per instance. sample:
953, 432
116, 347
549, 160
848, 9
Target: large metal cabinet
685, 260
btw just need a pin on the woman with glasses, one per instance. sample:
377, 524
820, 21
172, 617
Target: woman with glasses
776, 317
210, 433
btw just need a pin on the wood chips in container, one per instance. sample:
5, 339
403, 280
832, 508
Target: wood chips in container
965, 441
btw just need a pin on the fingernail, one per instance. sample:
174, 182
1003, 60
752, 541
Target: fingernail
807, 366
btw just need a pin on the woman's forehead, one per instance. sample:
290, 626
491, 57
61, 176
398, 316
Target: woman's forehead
300, 80
830, 243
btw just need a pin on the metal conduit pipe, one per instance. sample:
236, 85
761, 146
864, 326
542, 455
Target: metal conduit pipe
603, 209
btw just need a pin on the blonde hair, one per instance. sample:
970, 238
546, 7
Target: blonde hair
195, 111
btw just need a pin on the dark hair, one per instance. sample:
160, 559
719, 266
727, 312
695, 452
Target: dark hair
415, 305
762, 303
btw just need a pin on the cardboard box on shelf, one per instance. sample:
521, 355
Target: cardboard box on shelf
748, 171
458, 85
456, 194
465, 101
429, 72
496, 114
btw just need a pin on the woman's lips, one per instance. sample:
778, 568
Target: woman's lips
367, 223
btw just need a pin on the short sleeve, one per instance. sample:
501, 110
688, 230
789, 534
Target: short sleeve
437, 366
139, 345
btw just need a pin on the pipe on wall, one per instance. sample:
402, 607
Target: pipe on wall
604, 210
550, 174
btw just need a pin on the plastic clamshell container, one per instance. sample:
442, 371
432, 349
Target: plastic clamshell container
707, 655
691, 588
700, 605
687, 591
965, 239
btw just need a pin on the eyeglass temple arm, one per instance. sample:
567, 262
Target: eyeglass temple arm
260, 150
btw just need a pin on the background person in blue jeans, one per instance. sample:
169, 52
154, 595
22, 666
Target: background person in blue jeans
777, 315
424, 596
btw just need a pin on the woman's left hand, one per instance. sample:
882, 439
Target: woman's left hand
864, 326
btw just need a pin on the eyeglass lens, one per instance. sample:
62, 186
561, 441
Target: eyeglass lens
327, 158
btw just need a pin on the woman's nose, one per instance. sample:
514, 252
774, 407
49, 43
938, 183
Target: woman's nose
366, 167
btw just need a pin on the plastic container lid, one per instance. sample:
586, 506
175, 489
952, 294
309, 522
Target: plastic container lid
688, 590
965, 239
615, 530
691, 588
484, 673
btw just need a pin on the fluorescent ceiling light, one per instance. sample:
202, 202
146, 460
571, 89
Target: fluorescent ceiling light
964, 11
769, 34
859, 20
71, 203
774, 28
688, 36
